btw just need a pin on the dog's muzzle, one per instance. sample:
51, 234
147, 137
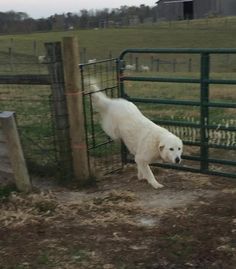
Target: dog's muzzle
177, 160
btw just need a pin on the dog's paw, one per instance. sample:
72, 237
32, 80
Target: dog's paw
157, 185
140, 176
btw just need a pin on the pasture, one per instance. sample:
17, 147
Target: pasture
99, 43
120, 222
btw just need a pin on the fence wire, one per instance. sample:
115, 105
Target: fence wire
34, 105
104, 154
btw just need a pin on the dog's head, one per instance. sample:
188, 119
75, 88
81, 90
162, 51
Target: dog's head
170, 149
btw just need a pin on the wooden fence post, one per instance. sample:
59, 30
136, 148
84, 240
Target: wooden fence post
74, 97
151, 63
174, 65
190, 65
35, 48
84, 55
130, 58
10, 57
110, 57
136, 64
158, 65
15, 153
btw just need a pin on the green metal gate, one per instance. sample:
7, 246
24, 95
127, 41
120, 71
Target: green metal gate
212, 135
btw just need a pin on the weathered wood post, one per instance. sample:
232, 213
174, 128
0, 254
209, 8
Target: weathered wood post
174, 65
15, 153
35, 48
151, 63
85, 55
130, 58
74, 97
158, 65
190, 65
110, 57
10, 52
136, 64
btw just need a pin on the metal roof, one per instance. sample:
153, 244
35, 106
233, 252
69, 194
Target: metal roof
176, 1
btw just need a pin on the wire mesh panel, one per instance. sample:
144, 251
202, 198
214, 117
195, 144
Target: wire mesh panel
28, 87
104, 154
33, 109
22, 57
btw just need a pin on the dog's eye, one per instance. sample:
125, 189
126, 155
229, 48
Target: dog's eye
179, 148
171, 149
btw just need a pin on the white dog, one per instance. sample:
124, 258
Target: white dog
147, 141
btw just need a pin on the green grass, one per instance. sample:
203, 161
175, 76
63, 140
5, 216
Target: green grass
34, 119
99, 42
179, 91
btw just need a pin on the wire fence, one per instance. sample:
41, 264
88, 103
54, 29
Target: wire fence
27, 88
15, 56
33, 109
104, 154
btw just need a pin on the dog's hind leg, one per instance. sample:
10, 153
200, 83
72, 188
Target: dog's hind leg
145, 171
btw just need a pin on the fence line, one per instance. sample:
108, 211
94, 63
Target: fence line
36, 96
11, 56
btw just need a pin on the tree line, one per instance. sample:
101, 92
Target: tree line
21, 22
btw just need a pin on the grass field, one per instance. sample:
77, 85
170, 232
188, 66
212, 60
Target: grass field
213, 34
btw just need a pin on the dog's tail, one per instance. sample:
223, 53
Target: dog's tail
100, 100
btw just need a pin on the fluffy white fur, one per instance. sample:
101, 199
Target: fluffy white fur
147, 141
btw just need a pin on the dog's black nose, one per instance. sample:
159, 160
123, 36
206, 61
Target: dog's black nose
177, 160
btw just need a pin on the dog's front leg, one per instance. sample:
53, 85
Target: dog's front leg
140, 174
145, 171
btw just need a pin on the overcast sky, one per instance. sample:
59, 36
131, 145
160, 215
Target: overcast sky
45, 8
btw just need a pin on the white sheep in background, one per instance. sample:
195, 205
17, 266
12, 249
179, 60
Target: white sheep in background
42, 59
130, 67
144, 68
91, 61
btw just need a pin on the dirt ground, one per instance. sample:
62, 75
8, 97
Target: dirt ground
122, 223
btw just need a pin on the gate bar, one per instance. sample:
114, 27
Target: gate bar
179, 51
179, 102
178, 80
204, 117
193, 170
161, 79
